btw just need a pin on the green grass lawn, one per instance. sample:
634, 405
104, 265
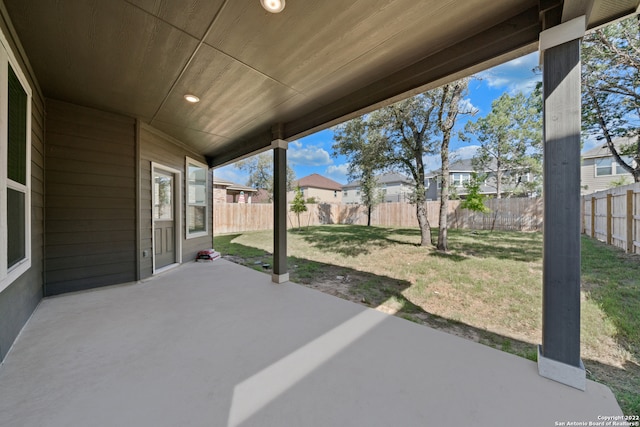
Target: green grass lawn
487, 288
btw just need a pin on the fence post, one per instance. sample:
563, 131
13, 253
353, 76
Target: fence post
630, 221
583, 214
593, 217
609, 218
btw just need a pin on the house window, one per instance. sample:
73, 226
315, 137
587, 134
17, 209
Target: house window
196, 191
15, 173
619, 169
345, 194
335, 193
459, 179
604, 166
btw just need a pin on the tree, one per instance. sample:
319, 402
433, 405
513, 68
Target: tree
401, 135
611, 89
447, 115
364, 159
510, 138
260, 170
474, 200
298, 206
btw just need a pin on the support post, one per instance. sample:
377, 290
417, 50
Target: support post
280, 272
559, 354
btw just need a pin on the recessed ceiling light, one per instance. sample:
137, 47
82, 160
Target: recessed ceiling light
191, 98
273, 6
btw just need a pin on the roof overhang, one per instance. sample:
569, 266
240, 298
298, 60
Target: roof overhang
263, 76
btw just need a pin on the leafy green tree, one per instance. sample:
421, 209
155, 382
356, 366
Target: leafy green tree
402, 135
510, 139
398, 137
611, 89
474, 200
260, 170
449, 110
298, 205
364, 158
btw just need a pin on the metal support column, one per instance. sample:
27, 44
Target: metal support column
280, 272
559, 355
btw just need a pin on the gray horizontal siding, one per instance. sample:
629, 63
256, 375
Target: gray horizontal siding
158, 148
20, 299
90, 198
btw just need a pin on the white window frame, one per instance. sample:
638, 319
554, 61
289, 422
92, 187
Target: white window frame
612, 166
189, 235
9, 275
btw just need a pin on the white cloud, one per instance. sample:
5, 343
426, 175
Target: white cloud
466, 106
338, 172
467, 152
230, 173
310, 155
431, 162
513, 76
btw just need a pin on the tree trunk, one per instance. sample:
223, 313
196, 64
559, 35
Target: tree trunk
423, 222
444, 201
369, 216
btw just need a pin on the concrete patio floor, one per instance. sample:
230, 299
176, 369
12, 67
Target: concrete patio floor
217, 344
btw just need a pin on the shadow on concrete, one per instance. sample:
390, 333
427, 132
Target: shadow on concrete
375, 290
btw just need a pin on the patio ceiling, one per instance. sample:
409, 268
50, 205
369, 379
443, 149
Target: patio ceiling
262, 75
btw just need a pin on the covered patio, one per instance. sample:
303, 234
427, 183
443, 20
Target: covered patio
217, 344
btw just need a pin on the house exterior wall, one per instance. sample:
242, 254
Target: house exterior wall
591, 183
219, 194
159, 148
395, 192
321, 195
90, 198
21, 297
351, 195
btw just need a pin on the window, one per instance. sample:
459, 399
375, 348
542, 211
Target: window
345, 193
619, 169
15, 171
604, 166
196, 183
459, 179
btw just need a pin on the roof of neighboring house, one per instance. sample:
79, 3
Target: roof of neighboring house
233, 186
318, 181
602, 149
463, 165
387, 178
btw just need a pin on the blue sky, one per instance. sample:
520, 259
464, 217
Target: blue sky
312, 154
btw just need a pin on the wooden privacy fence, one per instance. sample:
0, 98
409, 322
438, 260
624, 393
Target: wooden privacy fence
506, 214
613, 216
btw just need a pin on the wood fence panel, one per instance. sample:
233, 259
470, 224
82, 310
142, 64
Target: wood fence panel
613, 216
506, 214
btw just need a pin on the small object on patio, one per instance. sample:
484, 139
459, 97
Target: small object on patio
207, 255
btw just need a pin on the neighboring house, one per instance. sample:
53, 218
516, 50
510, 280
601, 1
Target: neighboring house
319, 188
393, 187
600, 171
460, 173
230, 192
